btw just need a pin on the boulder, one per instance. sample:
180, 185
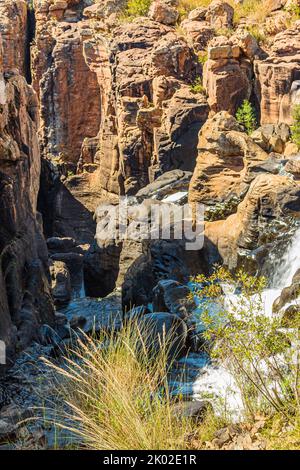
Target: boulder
173, 297
225, 157
163, 12
293, 168
272, 137
220, 15
74, 261
61, 282
226, 69
61, 245
158, 260
198, 33
277, 78
170, 182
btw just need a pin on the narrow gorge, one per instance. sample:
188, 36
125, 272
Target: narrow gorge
103, 103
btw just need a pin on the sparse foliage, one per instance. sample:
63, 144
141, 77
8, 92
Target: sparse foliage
197, 86
138, 7
295, 128
262, 356
246, 117
202, 57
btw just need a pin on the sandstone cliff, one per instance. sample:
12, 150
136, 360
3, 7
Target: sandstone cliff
141, 107
25, 296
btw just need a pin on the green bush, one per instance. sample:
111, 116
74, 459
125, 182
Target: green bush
254, 346
138, 7
197, 86
202, 57
295, 128
246, 117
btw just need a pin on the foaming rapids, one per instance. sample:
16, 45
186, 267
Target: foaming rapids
289, 265
215, 378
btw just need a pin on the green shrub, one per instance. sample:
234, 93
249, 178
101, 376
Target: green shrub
295, 128
254, 346
202, 57
197, 86
138, 7
294, 9
246, 117
258, 33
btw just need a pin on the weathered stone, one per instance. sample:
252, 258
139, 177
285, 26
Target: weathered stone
198, 33
225, 155
278, 78
163, 12
220, 14
75, 109
173, 297
289, 295
25, 297
165, 185
272, 138
291, 149
226, 70
245, 238
61, 282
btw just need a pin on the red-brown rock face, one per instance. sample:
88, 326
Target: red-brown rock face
25, 297
277, 78
13, 28
68, 89
227, 75
226, 155
133, 141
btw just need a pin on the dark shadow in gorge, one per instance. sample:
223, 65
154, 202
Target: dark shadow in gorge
65, 216
31, 25
165, 259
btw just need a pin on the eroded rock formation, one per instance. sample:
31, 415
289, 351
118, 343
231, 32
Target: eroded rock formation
278, 78
25, 295
142, 109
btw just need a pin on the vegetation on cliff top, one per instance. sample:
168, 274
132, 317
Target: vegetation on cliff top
137, 7
295, 128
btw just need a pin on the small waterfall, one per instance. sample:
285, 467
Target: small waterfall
283, 274
215, 379
289, 264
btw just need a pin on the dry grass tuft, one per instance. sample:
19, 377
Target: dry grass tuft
118, 397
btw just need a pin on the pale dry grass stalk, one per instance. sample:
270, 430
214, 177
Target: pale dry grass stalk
117, 395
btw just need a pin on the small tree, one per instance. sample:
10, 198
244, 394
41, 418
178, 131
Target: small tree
295, 128
246, 117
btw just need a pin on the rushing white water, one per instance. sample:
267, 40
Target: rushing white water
289, 264
216, 381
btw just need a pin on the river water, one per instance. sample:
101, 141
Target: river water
207, 380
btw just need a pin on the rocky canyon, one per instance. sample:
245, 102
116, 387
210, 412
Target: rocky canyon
99, 105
